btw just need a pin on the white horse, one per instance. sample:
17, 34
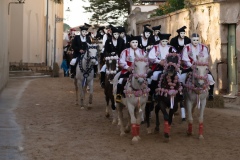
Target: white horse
136, 92
196, 92
85, 74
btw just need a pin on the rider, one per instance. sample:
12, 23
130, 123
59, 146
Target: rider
180, 40
124, 36
155, 37
157, 57
144, 41
189, 54
125, 62
112, 45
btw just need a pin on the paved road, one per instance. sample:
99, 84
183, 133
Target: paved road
10, 132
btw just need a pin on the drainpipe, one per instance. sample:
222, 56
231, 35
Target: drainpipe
46, 60
232, 60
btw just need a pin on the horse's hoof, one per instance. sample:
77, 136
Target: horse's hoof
156, 130
149, 131
189, 133
122, 134
127, 130
82, 108
200, 137
107, 115
134, 140
119, 123
114, 121
138, 137
89, 107
166, 140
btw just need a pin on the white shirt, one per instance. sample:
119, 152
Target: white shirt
83, 39
114, 42
144, 42
155, 56
129, 57
193, 52
156, 38
103, 41
181, 42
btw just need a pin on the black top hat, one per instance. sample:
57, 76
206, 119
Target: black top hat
156, 27
115, 30
164, 36
109, 26
181, 29
83, 28
146, 25
121, 29
146, 29
87, 25
101, 28
133, 38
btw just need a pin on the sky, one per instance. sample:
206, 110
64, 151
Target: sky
76, 16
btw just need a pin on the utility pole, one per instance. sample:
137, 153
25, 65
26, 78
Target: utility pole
46, 60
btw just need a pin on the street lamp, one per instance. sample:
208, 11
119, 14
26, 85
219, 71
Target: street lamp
57, 19
18, 2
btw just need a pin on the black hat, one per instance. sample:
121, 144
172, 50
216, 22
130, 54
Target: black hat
87, 25
133, 38
146, 29
109, 26
146, 25
83, 28
164, 36
121, 29
100, 28
156, 27
114, 30
181, 29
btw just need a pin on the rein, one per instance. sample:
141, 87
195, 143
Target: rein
110, 59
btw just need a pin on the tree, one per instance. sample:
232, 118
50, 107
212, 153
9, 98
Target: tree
66, 27
168, 7
113, 11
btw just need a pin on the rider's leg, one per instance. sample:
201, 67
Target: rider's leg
103, 73
95, 68
119, 90
154, 82
212, 82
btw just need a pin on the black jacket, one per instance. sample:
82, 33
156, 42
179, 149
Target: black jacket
109, 47
140, 45
78, 45
175, 44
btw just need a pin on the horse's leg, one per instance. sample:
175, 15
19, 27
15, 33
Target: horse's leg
190, 118
76, 90
107, 106
148, 112
202, 108
90, 95
172, 111
157, 108
131, 110
114, 114
166, 123
119, 108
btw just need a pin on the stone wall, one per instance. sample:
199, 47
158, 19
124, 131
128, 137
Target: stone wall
210, 20
4, 30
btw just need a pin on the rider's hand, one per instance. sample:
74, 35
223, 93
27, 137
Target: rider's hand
81, 51
129, 69
162, 62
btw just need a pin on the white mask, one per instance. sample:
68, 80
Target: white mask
84, 33
122, 35
101, 32
116, 35
182, 34
164, 42
147, 34
195, 41
156, 32
134, 44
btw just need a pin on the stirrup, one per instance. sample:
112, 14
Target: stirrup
118, 98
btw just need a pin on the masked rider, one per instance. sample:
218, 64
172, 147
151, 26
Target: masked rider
124, 36
113, 46
189, 54
125, 62
144, 41
155, 38
157, 57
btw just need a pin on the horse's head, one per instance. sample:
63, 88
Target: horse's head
92, 53
140, 68
200, 71
172, 64
111, 61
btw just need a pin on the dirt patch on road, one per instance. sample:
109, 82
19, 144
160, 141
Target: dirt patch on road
54, 128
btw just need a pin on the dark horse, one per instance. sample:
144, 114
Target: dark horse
111, 61
167, 95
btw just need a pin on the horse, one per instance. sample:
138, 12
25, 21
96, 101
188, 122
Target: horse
85, 74
136, 94
196, 92
167, 95
111, 61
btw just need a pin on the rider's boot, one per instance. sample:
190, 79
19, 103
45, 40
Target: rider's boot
210, 93
95, 69
119, 91
73, 71
102, 80
183, 112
